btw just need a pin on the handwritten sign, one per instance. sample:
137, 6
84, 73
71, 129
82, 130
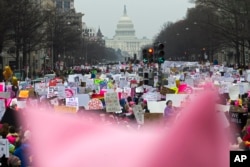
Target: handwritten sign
112, 102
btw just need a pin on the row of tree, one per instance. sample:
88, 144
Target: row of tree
211, 26
26, 26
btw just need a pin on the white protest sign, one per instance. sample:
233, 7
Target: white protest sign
176, 98
171, 82
83, 99
241, 89
234, 92
112, 102
5, 95
156, 107
72, 102
4, 148
225, 87
151, 96
189, 81
2, 108
50, 92
61, 91
139, 114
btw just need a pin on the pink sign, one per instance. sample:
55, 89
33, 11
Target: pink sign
2, 87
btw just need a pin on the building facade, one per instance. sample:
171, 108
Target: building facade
64, 5
125, 38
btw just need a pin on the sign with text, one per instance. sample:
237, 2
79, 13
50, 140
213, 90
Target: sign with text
72, 102
112, 102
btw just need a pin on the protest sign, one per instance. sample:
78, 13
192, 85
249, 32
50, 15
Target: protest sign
177, 99
65, 109
4, 148
165, 90
234, 92
5, 95
2, 86
112, 102
72, 102
61, 91
156, 107
139, 114
2, 108
95, 104
83, 99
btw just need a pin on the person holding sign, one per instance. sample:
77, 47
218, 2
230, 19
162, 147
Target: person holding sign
169, 112
169, 109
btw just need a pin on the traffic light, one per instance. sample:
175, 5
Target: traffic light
150, 51
160, 52
161, 60
151, 54
145, 56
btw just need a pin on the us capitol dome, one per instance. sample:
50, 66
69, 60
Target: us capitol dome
125, 38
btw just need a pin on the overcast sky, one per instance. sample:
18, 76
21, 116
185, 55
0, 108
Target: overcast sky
148, 16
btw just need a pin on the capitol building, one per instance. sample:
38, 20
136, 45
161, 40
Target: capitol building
125, 38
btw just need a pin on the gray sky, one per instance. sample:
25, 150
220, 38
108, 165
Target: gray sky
148, 16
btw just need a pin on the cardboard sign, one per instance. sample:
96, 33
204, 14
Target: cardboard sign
65, 109
165, 90
112, 102
152, 117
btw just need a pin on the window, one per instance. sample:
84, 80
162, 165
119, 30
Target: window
58, 4
66, 5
